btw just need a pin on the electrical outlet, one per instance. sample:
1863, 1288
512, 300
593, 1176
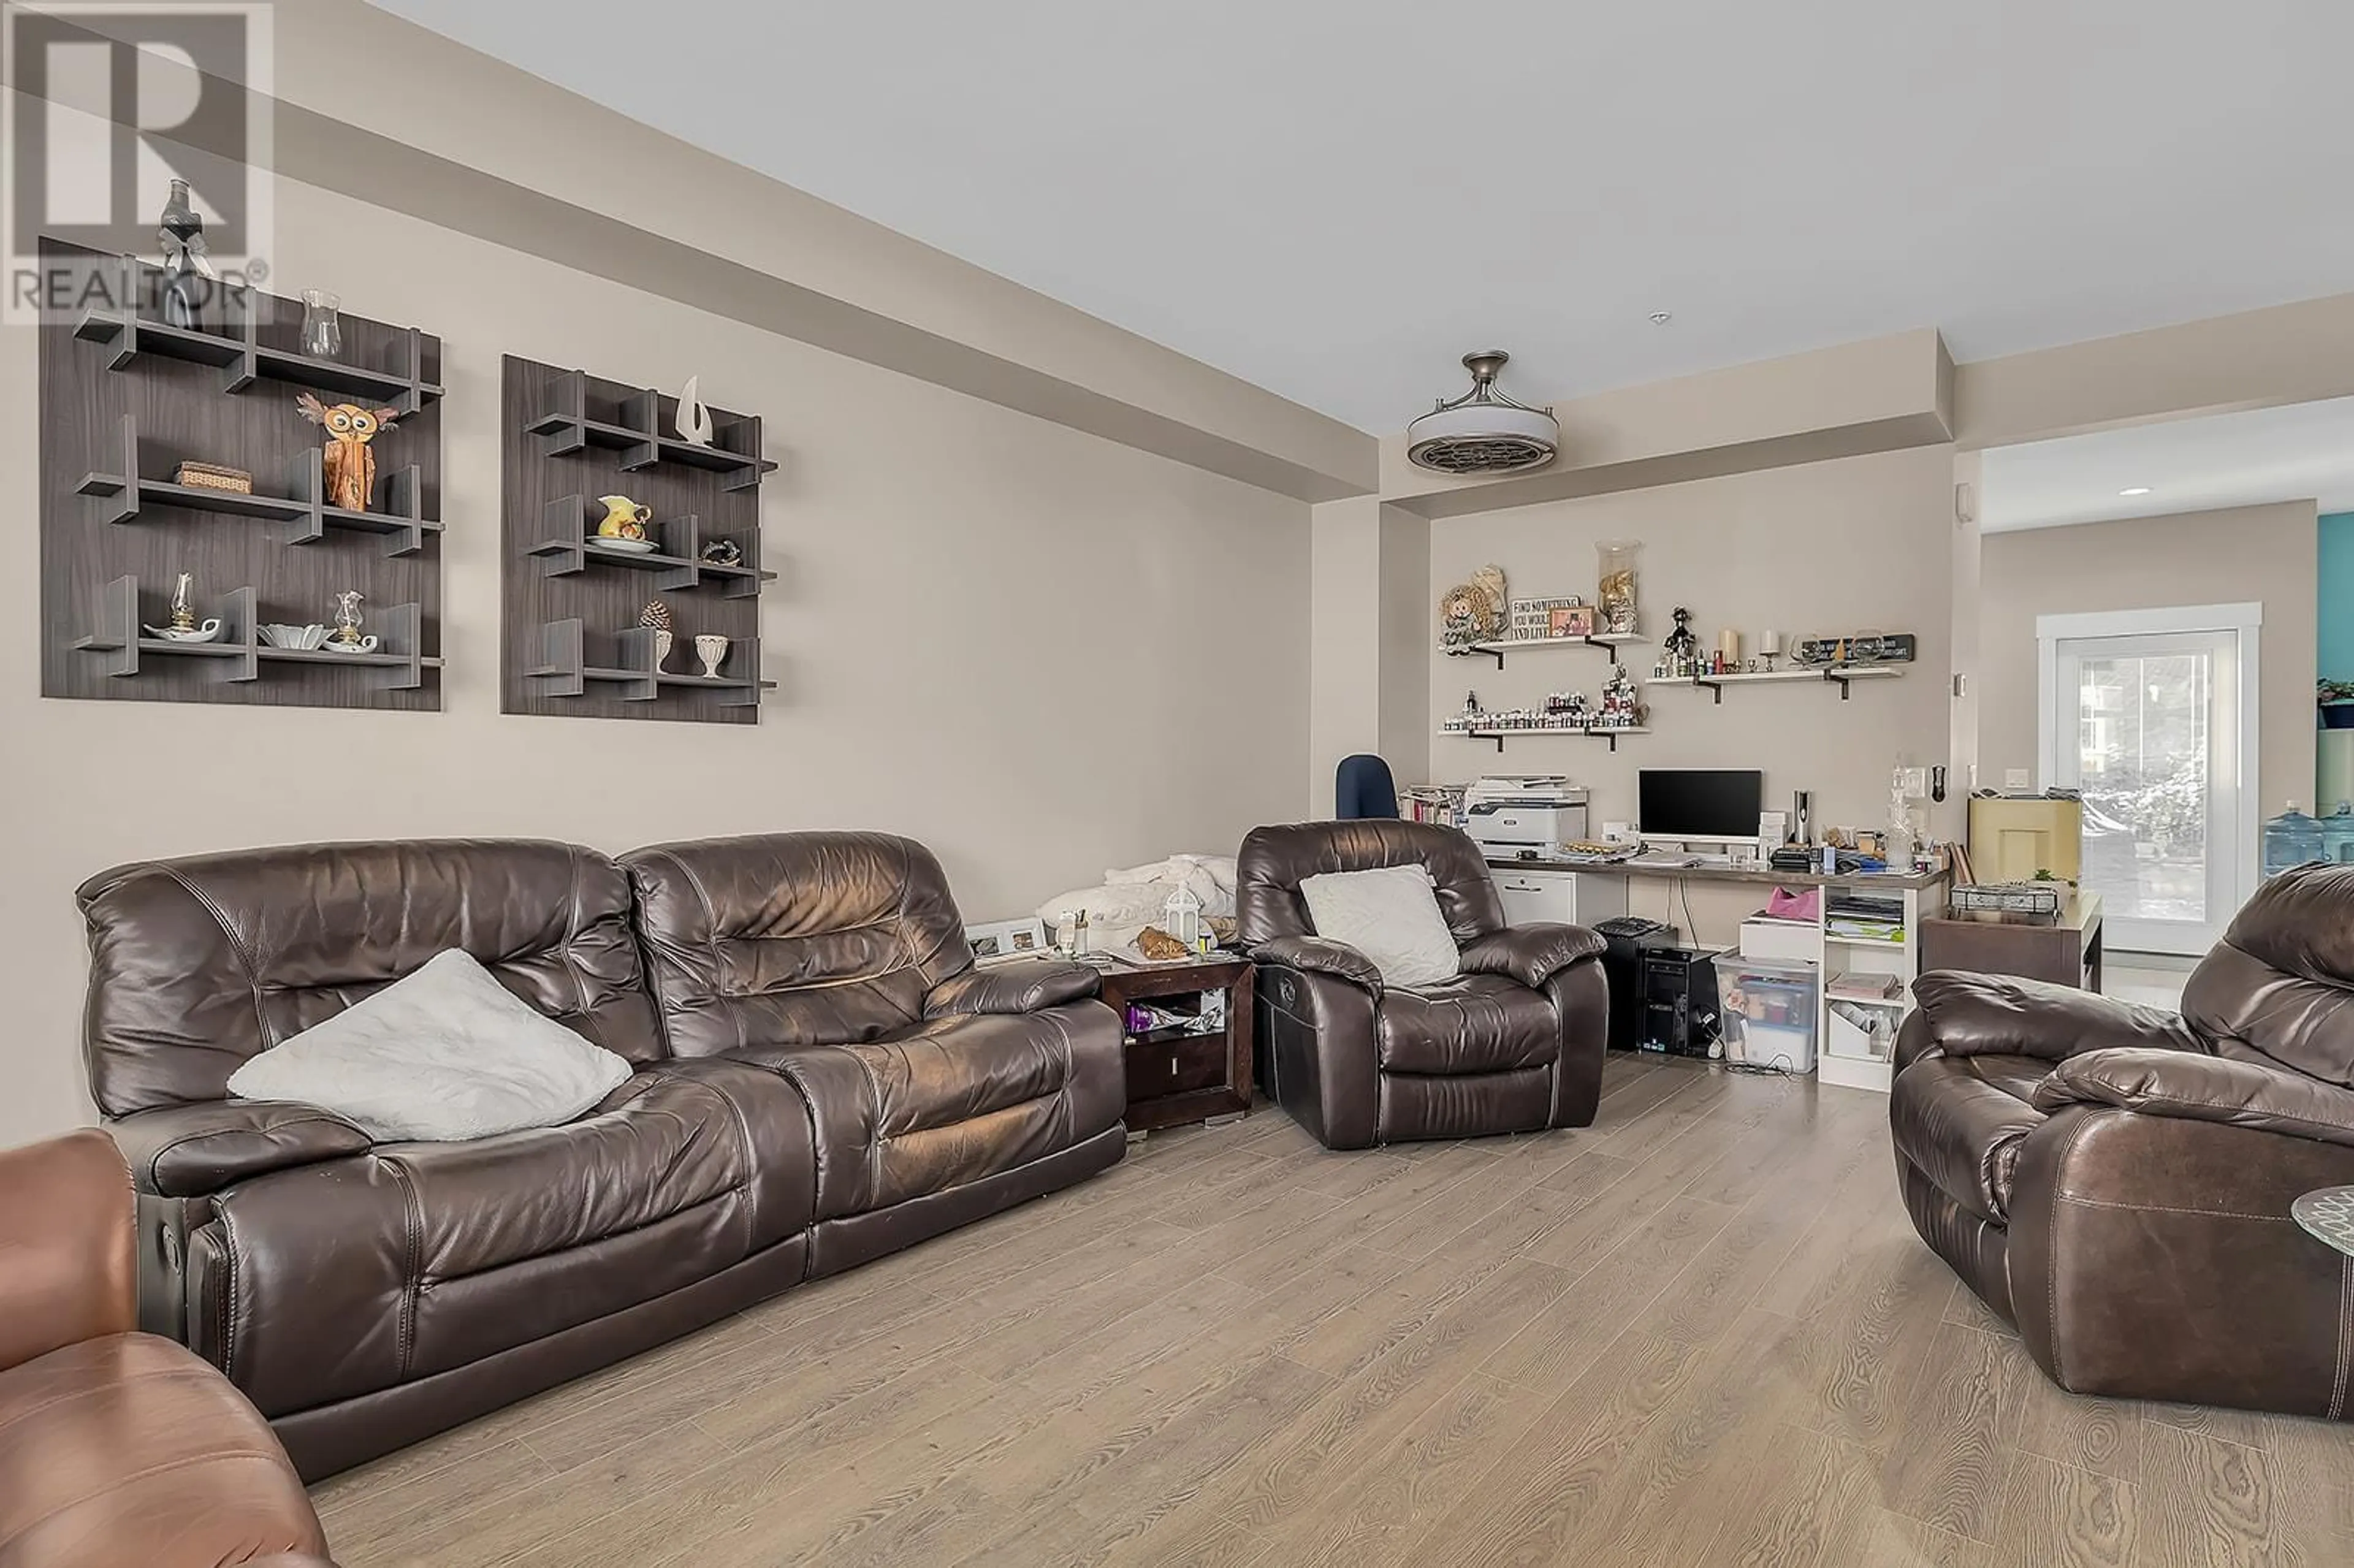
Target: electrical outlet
2015, 778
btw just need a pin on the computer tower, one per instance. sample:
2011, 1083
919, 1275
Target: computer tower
1679, 998
1626, 940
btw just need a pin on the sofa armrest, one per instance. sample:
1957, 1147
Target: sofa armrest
1974, 1015
68, 1266
187, 1151
2202, 1088
1531, 954
1013, 988
1323, 956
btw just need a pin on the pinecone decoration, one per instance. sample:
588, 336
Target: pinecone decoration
656, 614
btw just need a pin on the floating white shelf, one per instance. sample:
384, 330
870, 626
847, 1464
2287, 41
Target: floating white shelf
1841, 675
1609, 641
1501, 735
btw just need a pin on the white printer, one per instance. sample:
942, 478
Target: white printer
1524, 816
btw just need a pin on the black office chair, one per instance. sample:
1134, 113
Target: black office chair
1362, 787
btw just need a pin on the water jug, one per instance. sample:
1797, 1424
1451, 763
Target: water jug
2291, 839
2338, 834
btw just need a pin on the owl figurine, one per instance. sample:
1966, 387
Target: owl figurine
350, 467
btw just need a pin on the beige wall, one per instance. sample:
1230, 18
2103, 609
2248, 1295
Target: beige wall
1826, 547
1042, 652
2260, 554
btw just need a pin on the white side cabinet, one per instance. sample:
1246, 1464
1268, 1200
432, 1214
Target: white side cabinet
1564, 895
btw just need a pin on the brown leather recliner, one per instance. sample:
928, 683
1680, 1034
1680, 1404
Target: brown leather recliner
2116, 1180
1513, 1043
938, 1093
366, 1296
117, 1447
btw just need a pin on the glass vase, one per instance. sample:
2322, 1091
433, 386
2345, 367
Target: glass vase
1615, 587
323, 323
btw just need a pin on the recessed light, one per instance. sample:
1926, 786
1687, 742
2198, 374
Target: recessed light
1661, 318
2134, 490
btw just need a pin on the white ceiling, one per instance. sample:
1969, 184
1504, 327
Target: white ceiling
2304, 450
1335, 198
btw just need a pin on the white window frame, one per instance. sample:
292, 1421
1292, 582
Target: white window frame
2248, 622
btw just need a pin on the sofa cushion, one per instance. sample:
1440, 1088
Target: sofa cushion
197, 964
951, 1100
1389, 913
1472, 1023
358, 1275
441, 1054
128, 1449
1961, 1120
794, 938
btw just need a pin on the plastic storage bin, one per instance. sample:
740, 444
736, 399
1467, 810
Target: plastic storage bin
1768, 1011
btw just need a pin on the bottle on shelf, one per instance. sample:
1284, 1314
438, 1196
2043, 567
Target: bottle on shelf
2338, 834
2291, 839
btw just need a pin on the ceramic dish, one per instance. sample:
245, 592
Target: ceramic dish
300, 638
364, 645
627, 546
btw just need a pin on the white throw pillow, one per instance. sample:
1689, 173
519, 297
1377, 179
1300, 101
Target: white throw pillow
1391, 916
441, 1055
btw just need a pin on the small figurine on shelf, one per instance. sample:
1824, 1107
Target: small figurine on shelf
693, 417
722, 553
182, 232
1620, 710
349, 466
1474, 611
1681, 648
347, 638
656, 617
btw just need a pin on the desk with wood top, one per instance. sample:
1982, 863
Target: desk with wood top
1585, 894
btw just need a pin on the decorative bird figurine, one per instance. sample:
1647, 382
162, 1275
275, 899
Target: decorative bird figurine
350, 467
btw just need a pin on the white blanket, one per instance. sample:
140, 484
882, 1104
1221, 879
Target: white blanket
1127, 901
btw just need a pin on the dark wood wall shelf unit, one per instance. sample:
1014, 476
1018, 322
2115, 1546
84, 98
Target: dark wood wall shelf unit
127, 399
572, 642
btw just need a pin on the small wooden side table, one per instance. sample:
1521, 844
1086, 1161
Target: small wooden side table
2064, 948
1176, 1076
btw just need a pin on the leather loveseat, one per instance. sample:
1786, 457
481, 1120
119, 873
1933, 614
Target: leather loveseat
821, 1077
2116, 1181
117, 1447
1513, 1043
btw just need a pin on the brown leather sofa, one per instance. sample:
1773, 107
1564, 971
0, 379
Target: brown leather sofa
1513, 1043
2116, 1180
822, 1077
117, 1447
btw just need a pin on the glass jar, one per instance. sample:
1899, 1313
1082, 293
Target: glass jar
323, 324
1615, 587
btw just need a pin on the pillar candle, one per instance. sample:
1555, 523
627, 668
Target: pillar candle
1728, 642
1769, 645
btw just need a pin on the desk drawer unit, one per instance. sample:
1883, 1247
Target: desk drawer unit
1529, 896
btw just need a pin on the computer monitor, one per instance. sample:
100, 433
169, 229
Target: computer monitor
1699, 802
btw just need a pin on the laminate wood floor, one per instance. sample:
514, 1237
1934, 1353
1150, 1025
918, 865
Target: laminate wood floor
1699, 1332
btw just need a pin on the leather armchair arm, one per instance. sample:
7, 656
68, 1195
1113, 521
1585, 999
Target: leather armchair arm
1531, 954
1323, 956
1013, 988
1975, 1014
68, 1266
2202, 1088
187, 1151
